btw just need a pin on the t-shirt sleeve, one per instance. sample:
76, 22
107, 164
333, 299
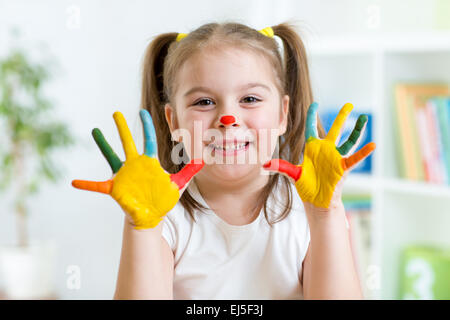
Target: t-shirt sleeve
305, 235
170, 226
301, 226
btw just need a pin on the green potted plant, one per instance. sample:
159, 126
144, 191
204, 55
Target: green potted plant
28, 139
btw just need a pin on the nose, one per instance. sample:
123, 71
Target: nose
228, 120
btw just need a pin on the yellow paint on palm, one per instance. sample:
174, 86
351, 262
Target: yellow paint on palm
145, 191
322, 164
321, 171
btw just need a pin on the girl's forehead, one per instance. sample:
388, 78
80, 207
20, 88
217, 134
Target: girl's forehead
212, 65
235, 56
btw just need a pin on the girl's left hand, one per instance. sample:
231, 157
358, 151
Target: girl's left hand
318, 178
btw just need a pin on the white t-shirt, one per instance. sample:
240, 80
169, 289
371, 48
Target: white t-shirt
216, 260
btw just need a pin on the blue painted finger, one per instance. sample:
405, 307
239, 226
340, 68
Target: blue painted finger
311, 121
150, 146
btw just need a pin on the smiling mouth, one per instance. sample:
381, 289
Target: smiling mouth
229, 148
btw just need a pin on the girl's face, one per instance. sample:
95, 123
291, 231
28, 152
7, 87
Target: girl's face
231, 82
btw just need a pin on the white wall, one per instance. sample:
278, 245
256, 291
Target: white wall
99, 72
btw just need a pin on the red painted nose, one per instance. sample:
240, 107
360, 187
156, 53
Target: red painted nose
227, 120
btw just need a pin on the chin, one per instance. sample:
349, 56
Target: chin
232, 171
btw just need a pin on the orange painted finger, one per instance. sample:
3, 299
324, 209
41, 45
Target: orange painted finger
365, 151
96, 186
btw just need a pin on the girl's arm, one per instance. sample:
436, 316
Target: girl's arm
328, 269
146, 265
146, 193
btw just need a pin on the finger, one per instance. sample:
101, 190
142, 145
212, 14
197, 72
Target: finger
335, 129
96, 186
311, 121
108, 152
125, 136
285, 167
348, 163
182, 177
358, 142
149, 133
354, 136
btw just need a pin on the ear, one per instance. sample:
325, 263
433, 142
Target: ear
284, 114
170, 116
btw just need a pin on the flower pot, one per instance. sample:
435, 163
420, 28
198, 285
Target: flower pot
28, 272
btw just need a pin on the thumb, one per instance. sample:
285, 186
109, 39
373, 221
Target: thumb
182, 177
284, 167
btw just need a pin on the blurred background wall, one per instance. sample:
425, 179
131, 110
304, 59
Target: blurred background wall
99, 47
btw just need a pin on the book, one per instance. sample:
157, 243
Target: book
436, 143
425, 144
358, 214
441, 105
407, 159
409, 98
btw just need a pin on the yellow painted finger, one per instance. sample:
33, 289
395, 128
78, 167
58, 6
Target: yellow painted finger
125, 136
335, 129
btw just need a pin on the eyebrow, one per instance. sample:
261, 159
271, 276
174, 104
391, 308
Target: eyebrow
246, 86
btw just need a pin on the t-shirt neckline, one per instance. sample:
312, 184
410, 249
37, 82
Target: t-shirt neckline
195, 193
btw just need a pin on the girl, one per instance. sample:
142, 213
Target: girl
221, 226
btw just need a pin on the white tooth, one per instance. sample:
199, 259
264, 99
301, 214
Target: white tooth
228, 147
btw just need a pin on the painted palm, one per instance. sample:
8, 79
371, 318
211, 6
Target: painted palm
324, 164
144, 190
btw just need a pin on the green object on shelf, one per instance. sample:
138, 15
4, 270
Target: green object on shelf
357, 201
425, 273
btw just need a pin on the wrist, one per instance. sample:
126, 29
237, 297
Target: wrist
131, 226
335, 212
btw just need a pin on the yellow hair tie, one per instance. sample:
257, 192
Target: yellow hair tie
266, 31
181, 36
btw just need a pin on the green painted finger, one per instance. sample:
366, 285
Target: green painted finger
354, 136
107, 151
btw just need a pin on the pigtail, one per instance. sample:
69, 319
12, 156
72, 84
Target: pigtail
298, 87
153, 97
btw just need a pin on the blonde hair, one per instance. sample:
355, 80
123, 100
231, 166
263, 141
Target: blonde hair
164, 57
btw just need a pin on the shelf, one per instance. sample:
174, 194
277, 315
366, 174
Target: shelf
362, 69
364, 183
371, 43
416, 188
360, 184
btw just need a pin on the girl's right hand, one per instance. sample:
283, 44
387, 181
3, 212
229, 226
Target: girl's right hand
144, 190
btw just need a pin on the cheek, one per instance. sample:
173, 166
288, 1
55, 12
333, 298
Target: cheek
194, 126
266, 126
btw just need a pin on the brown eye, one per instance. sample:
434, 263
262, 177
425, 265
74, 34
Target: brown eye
252, 99
202, 100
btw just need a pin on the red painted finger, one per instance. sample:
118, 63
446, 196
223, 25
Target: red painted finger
96, 186
285, 167
365, 151
189, 170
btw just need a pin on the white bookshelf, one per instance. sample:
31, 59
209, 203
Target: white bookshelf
362, 70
